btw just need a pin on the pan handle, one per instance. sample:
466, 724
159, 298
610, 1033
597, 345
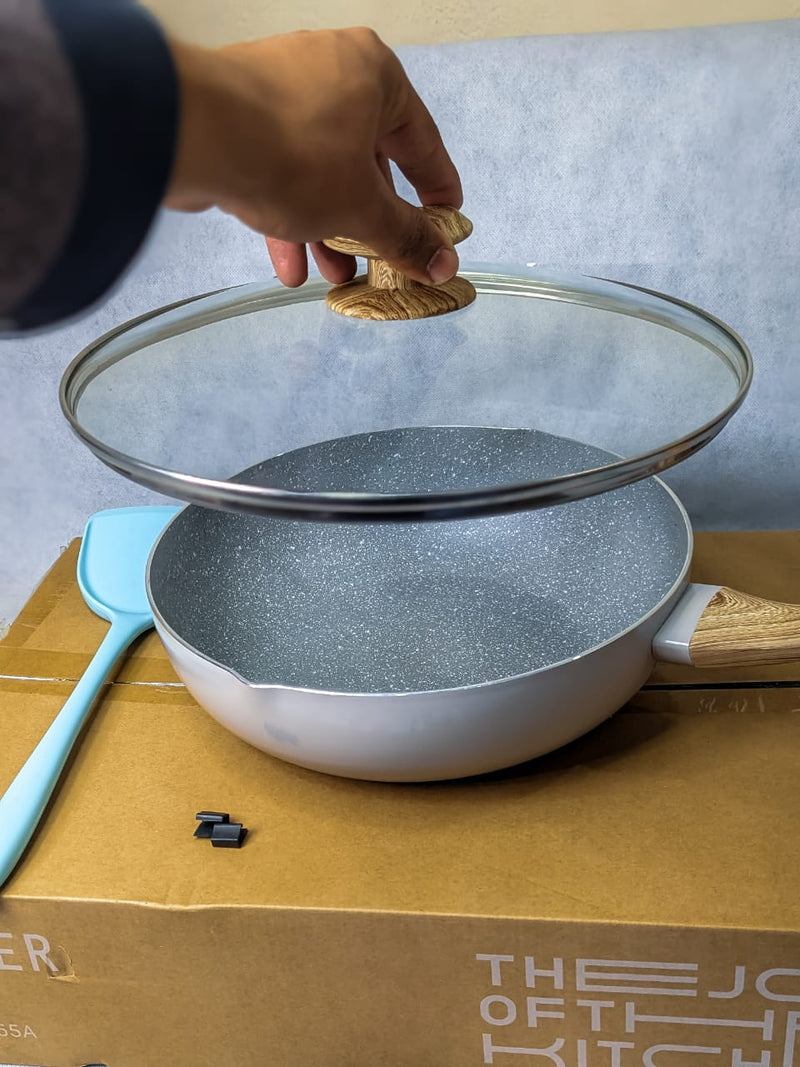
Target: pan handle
714, 626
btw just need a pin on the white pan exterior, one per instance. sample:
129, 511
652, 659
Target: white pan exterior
427, 736
362, 650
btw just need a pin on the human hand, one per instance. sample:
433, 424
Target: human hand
291, 135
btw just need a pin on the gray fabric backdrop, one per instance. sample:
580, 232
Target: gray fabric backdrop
668, 159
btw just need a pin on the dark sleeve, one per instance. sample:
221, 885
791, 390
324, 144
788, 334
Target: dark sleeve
88, 123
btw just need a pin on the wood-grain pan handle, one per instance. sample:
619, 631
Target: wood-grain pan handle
713, 626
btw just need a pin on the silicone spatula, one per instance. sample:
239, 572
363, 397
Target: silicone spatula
111, 575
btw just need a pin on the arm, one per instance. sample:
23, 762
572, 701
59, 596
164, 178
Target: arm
290, 134
88, 120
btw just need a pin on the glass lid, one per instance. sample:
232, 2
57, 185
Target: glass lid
186, 398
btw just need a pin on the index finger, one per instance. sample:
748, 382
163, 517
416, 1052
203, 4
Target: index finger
414, 143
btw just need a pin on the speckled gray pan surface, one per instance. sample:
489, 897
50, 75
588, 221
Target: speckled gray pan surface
409, 607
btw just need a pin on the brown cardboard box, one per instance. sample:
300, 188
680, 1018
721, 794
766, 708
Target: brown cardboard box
633, 899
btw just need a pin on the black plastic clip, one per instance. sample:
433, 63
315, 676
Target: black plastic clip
217, 826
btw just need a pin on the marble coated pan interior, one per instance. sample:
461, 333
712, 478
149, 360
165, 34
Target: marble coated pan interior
409, 607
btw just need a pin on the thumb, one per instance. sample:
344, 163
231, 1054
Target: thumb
410, 242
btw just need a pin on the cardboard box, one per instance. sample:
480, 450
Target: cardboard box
633, 899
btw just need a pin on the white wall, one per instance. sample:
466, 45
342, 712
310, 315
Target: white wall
420, 21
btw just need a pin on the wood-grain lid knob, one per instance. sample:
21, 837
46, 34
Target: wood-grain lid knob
387, 294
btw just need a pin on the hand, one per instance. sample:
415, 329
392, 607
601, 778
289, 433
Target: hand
291, 135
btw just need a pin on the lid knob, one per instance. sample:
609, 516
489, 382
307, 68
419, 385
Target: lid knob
385, 293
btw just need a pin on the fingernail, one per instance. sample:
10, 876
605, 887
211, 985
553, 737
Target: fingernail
443, 265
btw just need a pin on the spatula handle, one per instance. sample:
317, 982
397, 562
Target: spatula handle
22, 804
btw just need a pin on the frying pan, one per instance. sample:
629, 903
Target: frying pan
429, 650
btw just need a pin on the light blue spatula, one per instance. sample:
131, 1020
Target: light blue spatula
111, 576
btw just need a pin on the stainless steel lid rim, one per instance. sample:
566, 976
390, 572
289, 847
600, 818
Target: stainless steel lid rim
398, 507
232, 302
224, 494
